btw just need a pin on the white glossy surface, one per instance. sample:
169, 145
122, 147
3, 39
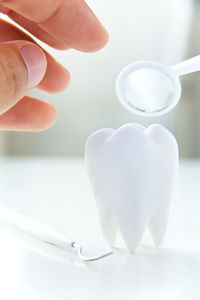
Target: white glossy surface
56, 192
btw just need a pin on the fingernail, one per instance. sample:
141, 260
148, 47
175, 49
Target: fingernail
36, 64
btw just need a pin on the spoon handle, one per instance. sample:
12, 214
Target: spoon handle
188, 66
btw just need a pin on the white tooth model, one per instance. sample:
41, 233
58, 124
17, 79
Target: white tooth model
132, 172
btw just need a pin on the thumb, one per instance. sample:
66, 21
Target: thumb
22, 66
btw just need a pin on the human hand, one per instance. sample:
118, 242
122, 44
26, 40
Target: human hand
61, 24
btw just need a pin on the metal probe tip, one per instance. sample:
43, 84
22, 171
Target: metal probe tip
89, 258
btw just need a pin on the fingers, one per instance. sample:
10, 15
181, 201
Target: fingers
70, 22
34, 29
33, 9
56, 77
28, 114
22, 66
76, 25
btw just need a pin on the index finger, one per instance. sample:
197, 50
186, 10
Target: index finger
70, 21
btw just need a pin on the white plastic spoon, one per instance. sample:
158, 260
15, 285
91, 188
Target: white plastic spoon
149, 88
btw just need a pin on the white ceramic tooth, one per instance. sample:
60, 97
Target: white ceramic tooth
132, 172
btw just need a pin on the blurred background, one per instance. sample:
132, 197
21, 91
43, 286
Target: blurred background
166, 31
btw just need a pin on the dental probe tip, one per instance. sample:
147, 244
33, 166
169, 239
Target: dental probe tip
89, 258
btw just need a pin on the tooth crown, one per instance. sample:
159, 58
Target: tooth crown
132, 172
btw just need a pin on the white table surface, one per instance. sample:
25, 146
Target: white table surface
56, 191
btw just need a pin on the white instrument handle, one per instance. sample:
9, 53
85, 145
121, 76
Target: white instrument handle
34, 228
188, 66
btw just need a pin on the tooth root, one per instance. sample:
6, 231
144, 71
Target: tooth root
108, 227
158, 226
132, 227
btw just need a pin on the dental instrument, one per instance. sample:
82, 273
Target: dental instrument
44, 233
149, 88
